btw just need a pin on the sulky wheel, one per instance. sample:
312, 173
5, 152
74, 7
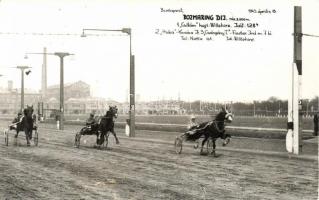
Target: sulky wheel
36, 138
6, 137
210, 148
77, 140
178, 145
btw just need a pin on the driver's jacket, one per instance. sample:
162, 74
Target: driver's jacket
91, 124
16, 120
192, 125
90, 121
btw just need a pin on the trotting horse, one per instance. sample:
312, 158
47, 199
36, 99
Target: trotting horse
101, 129
216, 129
106, 124
209, 130
26, 124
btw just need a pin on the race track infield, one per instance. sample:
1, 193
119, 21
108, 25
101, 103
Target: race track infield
145, 170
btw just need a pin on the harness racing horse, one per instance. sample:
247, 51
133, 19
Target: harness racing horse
101, 129
216, 129
211, 131
26, 124
90, 129
106, 125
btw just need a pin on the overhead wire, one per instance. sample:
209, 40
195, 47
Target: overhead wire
57, 34
310, 35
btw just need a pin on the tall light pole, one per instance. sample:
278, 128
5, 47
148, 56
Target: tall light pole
128, 31
294, 139
22, 68
61, 55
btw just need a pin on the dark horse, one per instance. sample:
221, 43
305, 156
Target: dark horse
26, 124
214, 129
101, 128
105, 125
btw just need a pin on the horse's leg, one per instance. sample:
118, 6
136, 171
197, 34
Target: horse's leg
214, 147
30, 134
101, 141
98, 138
114, 134
203, 143
16, 137
27, 136
17, 133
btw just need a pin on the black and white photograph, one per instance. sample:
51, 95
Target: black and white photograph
158, 99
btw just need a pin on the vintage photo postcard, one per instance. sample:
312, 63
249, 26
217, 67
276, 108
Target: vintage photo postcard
180, 99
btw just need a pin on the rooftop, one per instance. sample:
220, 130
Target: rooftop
67, 85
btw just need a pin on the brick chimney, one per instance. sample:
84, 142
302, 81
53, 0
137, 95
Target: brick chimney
10, 86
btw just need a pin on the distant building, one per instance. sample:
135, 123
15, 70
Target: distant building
10, 99
77, 99
10, 86
86, 105
163, 107
77, 90
10, 102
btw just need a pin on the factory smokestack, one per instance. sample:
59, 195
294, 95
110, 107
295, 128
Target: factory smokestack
44, 73
10, 86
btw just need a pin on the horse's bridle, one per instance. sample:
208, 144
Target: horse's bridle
226, 119
228, 115
114, 111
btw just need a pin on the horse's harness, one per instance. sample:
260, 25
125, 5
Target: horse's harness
214, 122
216, 126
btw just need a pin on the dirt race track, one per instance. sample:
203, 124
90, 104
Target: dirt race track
144, 170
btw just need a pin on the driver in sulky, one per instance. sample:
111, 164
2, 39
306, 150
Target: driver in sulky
192, 128
15, 121
192, 124
90, 122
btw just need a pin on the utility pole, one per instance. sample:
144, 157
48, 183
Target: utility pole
61, 55
44, 73
132, 95
293, 138
22, 68
298, 62
127, 31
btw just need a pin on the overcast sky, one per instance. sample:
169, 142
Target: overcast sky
165, 66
